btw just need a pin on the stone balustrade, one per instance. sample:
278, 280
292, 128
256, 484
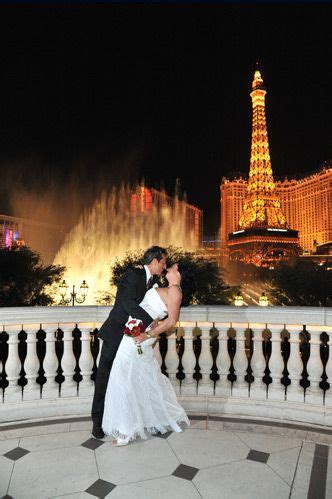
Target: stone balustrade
271, 362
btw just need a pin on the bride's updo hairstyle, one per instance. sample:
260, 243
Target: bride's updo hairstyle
187, 283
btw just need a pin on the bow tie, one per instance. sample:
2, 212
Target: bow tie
149, 283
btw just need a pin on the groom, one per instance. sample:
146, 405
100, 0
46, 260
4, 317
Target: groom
131, 290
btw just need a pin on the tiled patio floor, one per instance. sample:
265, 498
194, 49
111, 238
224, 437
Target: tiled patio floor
220, 458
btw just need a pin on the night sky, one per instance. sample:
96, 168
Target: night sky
158, 91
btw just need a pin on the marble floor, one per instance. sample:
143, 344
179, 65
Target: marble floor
217, 457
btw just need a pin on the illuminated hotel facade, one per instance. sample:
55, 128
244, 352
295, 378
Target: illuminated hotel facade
306, 204
42, 237
146, 199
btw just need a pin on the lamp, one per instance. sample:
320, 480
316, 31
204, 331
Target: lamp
73, 294
84, 289
238, 300
263, 300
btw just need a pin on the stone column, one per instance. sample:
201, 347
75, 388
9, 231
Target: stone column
51, 387
13, 392
276, 365
205, 386
328, 394
31, 365
223, 386
314, 394
188, 361
240, 387
258, 387
294, 391
69, 386
86, 386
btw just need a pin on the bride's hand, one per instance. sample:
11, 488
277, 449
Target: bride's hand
139, 339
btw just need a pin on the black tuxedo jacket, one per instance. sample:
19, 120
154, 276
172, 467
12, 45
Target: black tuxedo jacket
131, 290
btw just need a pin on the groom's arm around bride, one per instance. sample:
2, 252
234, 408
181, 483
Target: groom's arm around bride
131, 290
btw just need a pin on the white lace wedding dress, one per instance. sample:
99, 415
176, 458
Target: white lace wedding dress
138, 396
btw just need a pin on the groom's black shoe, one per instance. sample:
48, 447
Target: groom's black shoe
97, 431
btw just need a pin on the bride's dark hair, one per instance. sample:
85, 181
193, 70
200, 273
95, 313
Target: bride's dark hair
187, 283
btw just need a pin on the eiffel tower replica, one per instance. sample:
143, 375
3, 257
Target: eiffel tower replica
263, 236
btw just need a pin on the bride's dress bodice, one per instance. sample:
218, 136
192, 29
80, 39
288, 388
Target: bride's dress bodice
156, 308
153, 304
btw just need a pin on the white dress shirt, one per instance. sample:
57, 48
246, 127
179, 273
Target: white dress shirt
148, 273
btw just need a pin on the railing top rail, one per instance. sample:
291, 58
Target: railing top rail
320, 316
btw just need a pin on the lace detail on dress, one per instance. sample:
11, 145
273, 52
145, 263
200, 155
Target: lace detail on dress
153, 430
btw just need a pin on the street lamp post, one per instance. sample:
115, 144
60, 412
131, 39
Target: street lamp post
73, 294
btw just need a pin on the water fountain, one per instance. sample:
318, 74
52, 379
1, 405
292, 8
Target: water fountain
123, 220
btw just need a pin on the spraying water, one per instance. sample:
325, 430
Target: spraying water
118, 222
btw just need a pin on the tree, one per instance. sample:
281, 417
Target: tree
240, 272
302, 283
205, 285
24, 279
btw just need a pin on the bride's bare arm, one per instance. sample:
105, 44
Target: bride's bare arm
168, 333
174, 298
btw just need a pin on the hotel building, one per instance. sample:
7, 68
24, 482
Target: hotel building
306, 204
42, 237
145, 199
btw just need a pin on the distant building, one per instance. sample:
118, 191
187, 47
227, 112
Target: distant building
321, 255
42, 237
324, 249
306, 203
211, 248
145, 199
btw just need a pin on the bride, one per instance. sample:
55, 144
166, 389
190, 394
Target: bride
139, 397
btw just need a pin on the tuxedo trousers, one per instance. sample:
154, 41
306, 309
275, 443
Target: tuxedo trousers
107, 356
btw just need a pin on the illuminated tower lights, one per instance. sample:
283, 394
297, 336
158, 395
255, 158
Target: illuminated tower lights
262, 235
261, 206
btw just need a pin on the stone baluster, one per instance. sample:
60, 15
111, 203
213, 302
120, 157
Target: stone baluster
13, 392
258, 387
314, 394
223, 386
51, 387
69, 386
188, 361
328, 394
276, 388
295, 366
240, 386
205, 386
86, 386
214, 347
31, 365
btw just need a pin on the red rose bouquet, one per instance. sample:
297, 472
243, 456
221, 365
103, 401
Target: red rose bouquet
133, 328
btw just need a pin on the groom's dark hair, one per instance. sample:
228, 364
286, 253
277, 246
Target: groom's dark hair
153, 252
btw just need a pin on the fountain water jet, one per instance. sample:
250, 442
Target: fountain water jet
126, 219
